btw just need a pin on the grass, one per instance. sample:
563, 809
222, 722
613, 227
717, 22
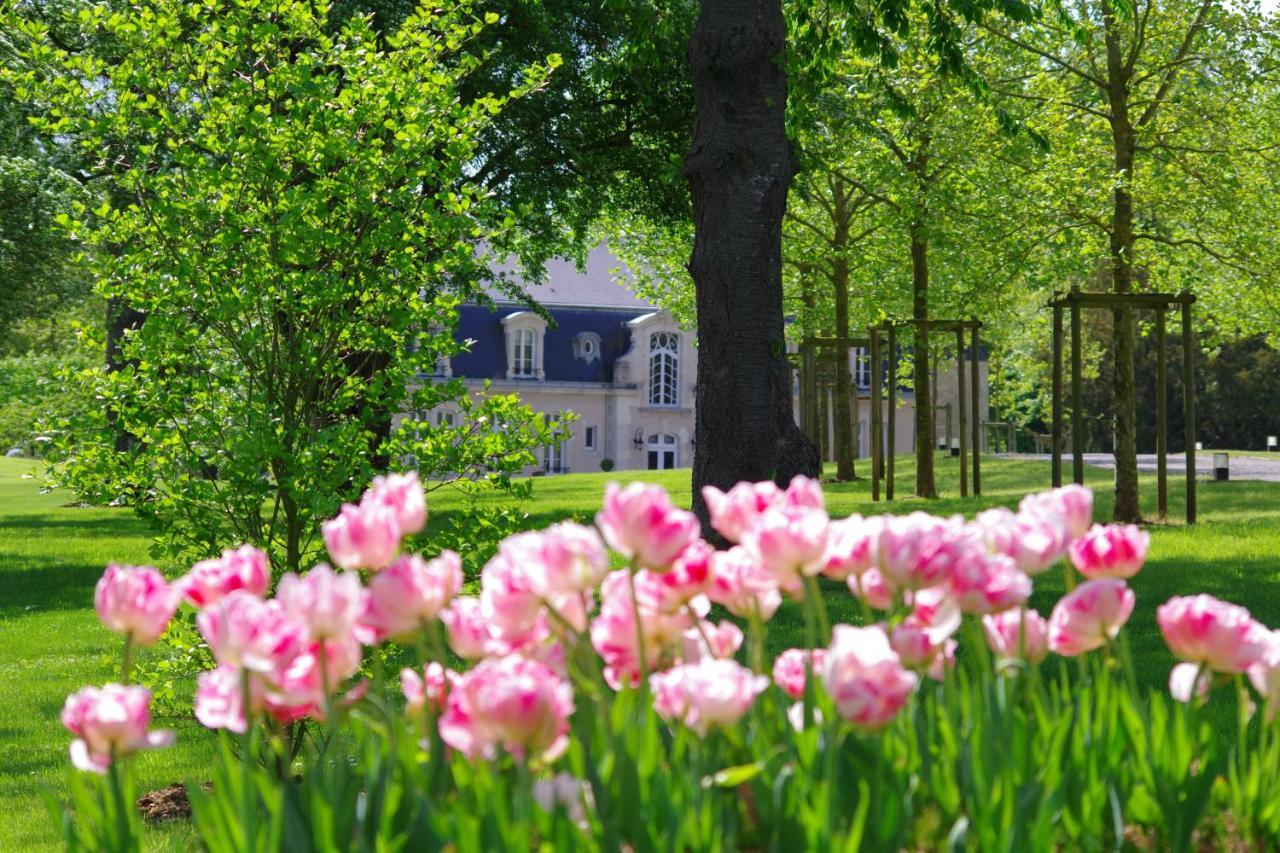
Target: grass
51, 555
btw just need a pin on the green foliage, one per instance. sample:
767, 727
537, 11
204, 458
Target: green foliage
37, 391
293, 216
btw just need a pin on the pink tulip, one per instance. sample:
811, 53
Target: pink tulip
329, 603
849, 547
790, 670
512, 702
510, 590
402, 494
1222, 636
135, 601
736, 511
363, 537
1071, 506
789, 543
430, 686
409, 594
572, 558
936, 611
865, 678
304, 683
705, 695
109, 723
1090, 616
709, 640
803, 493
917, 551
1033, 541
613, 633
1183, 682
742, 586
687, 578
988, 583
871, 588
1265, 676
468, 630
1017, 634
915, 648
219, 701
1111, 551
640, 522
242, 630
208, 581
944, 661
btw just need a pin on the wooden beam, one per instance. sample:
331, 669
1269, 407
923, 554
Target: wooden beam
964, 436
1162, 421
1077, 398
1056, 449
977, 420
1189, 406
875, 416
891, 441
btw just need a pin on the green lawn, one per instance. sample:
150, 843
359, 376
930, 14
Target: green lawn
51, 556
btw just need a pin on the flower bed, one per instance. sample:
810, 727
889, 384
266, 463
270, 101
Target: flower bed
573, 705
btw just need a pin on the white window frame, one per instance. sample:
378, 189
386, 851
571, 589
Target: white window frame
662, 443
524, 333
589, 439
524, 350
861, 367
664, 369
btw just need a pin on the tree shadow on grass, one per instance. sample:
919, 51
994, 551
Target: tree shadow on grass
123, 525
62, 586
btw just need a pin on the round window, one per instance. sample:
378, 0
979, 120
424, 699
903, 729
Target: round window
588, 346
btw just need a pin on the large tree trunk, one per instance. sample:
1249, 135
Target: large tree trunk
739, 169
1124, 398
844, 381
926, 487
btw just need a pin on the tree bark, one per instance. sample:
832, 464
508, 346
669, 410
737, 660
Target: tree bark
844, 381
739, 169
1121, 256
926, 487
121, 319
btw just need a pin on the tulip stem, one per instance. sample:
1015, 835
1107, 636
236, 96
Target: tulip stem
697, 623
814, 591
126, 664
635, 614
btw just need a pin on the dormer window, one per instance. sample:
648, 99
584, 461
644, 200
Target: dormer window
522, 364
586, 346
524, 333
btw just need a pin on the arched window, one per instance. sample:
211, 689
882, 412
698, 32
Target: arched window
664, 369
522, 356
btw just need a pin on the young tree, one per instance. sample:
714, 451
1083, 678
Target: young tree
289, 199
1143, 102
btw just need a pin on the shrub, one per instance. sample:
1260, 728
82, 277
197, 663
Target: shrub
575, 706
606, 465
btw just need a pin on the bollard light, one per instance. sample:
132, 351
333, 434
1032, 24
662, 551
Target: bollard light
1271, 443
1199, 446
1221, 463
955, 447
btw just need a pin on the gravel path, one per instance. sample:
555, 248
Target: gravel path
1242, 467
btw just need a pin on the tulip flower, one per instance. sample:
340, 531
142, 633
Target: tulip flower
742, 586
513, 702
329, 603
1110, 551
705, 695
410, 593
791, 669
736, 511
110, 723
1201, 629
135, 601
402, 494
245, 568
865, 677
1090, 616
363, 537
1017, 634
1071, 506
640, 522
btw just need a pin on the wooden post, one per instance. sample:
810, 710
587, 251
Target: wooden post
1077, 393
1056, 449
1162, 420
875, 415
1189, 402
977, 413
891, 441
964, 425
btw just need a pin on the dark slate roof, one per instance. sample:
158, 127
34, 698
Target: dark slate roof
487, 358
